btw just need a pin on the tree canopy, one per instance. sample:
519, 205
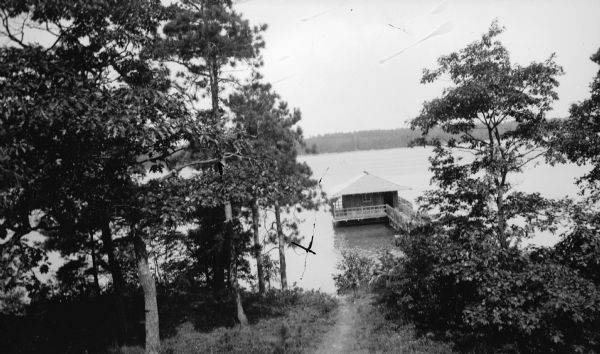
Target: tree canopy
465, 276
488, 91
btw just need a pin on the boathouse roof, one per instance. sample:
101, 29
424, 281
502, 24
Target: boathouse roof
367, 183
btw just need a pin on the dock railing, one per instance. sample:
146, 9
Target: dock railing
405, 219
401, 219
398, 219
372, 211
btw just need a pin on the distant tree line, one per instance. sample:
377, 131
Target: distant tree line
379, 139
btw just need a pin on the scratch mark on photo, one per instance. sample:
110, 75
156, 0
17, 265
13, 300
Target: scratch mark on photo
399, 28
445, 28
441, 7
283, 79
322, 12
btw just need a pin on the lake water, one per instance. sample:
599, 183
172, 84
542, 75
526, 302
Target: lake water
406, 167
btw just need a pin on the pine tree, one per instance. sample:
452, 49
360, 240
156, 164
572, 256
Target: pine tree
206, 37
279, 179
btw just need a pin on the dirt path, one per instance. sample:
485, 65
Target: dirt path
341, 338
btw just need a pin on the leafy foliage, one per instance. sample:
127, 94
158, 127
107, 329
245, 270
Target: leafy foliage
488, 91
464, 276
273, 177
355, 272
577, 137
83, 127
75, 125
485, 298
95, 130
579, 247
206, 37
264, 116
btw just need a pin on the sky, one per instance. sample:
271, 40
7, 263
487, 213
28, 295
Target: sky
352, 65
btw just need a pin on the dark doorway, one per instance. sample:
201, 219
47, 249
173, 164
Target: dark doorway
388, 198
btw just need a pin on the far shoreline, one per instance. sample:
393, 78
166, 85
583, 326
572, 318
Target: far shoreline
304, 155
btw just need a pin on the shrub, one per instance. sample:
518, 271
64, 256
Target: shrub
580, 250
306, 318
486, 298
355, 272
544, 308
385, 271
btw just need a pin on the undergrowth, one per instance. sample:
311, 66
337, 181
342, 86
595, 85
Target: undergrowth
303, 317
378, 333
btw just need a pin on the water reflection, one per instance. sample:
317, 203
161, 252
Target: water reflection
366, 239
316, 271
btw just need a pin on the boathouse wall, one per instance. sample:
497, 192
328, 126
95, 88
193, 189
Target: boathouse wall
368, 199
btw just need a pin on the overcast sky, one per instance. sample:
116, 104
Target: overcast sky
325, 56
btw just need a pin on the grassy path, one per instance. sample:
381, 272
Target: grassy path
361, 327
340, 338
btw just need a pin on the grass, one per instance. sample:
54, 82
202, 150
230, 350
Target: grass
297, 322
305, 318
376, 334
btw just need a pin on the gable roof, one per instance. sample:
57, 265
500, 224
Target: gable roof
367, 183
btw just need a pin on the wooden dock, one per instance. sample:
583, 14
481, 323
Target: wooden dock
400, 219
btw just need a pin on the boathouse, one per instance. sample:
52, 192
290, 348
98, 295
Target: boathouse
368, 197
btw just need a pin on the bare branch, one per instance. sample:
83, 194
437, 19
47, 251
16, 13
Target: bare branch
530, 159
7, 32
211, 161
162, 156
274, 248
476, 139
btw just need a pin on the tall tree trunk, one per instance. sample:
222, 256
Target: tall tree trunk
214, 88
113, 262
157, 269
233, 266
118, 280
219, 262
223, 257
258, 248
281, 241
501, 227
504, 241
241, 315
94, 264
149, 288
499, 181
